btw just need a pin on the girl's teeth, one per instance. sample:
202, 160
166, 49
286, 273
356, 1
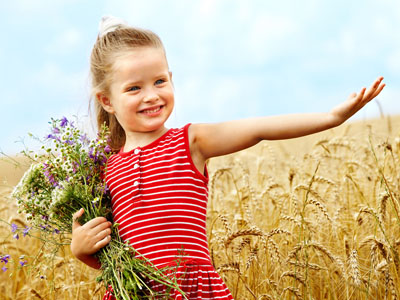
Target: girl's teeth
152, 110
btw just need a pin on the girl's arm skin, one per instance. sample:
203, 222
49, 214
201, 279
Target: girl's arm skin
89, 238
210, 140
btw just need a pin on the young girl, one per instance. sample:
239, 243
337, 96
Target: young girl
158, 180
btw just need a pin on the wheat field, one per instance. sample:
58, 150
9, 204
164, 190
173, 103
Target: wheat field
310, 218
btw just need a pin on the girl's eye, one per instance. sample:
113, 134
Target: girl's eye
133, 88
159, 81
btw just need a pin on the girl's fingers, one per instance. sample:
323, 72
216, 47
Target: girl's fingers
377, 82
376, 87
100, 244
104, 233
101, 227
360, 95
95, 222
380, 88
75, 217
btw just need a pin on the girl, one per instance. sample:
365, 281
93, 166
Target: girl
158, 179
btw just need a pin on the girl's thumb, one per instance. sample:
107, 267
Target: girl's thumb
75, 217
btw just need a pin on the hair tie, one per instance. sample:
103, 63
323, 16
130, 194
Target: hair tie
109, 23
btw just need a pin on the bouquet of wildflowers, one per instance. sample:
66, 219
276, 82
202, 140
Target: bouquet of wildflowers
69, 176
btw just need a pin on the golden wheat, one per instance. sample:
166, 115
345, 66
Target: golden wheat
315, 218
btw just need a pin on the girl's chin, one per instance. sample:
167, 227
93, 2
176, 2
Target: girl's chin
149, 128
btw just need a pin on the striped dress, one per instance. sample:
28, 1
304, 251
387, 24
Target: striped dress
159, 199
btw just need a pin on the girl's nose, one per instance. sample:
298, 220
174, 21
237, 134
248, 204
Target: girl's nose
150, 97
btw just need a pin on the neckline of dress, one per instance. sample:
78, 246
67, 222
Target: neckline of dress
123, 154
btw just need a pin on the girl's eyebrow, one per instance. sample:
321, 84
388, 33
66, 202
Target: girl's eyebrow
130, 83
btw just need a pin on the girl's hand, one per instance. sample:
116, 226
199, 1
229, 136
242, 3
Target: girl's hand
355, 102
89, 238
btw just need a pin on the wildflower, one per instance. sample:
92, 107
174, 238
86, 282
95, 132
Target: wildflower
64, 122
69, 141
14, 227
42, 277
95, 201
91, 150
26, 230
56, 231
5, 258
107, 149
23, 263
4, 269
16, 236
84, 139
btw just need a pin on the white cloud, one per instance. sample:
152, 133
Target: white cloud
390, 100
208, 7
393, 62
66, 42
69, 91
40, 6
267, 36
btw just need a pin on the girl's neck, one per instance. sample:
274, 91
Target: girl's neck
141, 139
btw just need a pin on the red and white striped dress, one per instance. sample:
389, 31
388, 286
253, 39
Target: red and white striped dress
159, 199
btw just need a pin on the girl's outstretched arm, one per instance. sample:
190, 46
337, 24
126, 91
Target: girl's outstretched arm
209, 140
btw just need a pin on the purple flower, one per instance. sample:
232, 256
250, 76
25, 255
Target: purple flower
64, 122
46, 218
103, 159
16, 236
42, 277
23, 263
14, 227
49, 176
4, 269
90, 152
107, 149
26, 230
56, 130
84, 139
5, 258
56, 231
69, 141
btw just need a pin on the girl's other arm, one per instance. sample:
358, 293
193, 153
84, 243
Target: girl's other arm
209, 140
89, 238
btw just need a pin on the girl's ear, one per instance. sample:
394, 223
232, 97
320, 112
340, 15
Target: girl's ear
105, 102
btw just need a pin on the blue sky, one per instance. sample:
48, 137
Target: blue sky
230, 59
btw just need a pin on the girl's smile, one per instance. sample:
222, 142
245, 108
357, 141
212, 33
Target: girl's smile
152, 111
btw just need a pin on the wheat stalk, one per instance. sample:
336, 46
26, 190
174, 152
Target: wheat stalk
306, 265
354, 268
293, 290
250, 231
294, 275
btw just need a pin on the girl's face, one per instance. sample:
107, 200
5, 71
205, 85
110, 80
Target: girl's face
141, 91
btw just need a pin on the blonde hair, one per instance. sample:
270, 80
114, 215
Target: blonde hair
106, 50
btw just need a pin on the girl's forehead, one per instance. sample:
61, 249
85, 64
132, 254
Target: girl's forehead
139, 54
139, 62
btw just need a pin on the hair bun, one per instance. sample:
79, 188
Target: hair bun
109, 23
